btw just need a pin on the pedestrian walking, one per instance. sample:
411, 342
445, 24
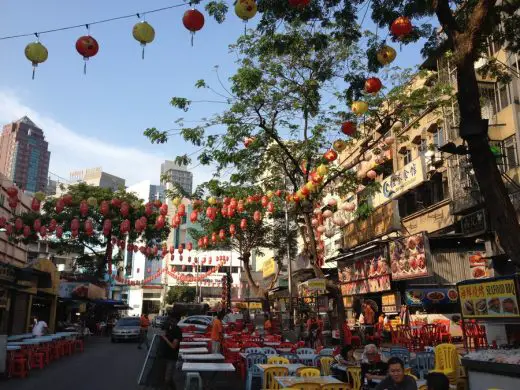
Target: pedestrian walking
143, 337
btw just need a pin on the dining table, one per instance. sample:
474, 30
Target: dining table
192, 350
203, 357
208, 367
289, 381
193, 343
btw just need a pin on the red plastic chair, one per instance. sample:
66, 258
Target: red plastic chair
443, 331
394, 334
38, 360
18, 366
429, 335
376, 337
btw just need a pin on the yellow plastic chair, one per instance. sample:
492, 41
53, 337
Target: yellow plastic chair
325, 363
307, 372
354, 374
423, 387
306, 386
335, 386
269, 374
277, 360
299, 369
447, 362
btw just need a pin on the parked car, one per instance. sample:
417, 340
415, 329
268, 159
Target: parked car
128, 328
158, 321
201, 323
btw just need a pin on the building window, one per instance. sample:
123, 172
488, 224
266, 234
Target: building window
488, 99
509, 154
438, 137
407, 156
154, 295
502, 96
423, 146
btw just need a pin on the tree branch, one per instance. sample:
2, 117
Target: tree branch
445, 16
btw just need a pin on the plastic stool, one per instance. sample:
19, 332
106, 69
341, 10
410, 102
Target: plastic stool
18, 367
38, 360
78, 344
193, 376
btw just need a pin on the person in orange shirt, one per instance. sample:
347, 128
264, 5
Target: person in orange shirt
268, 326
369, 315
217, 333
145, 324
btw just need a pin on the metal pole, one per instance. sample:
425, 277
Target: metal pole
289, 262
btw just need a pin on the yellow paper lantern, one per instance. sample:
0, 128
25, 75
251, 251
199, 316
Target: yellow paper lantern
36, 53
339, 145
310, 186
144, 34
212, 201
176, 201
246, 9
386, 55
322, 170
359, 107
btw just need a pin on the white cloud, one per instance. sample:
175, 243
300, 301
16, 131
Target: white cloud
71, 151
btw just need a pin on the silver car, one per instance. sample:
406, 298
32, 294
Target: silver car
200, 323
128, 328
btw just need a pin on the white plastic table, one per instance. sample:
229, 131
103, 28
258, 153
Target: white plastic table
208, 367
208, 357
193, 350
289, 381
13, 347
19, 337
193, 344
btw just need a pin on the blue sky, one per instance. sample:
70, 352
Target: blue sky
98, 119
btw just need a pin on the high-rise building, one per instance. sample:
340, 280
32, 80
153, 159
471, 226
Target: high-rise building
93, 177
147, 192
178, 174
24, 155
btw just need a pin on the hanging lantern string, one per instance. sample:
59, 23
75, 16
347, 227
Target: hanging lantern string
182, 4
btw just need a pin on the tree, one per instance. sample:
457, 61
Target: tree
180, 293
89, 221
286, 104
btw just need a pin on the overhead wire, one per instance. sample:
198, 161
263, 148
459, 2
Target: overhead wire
82, 25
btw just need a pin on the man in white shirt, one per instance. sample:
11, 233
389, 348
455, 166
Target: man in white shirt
40, 328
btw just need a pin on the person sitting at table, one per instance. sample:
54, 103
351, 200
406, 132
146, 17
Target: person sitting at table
396, 379
372, 367
268, 326
40, 328
437, 381
342, 360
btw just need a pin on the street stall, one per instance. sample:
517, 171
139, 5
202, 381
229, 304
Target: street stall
491, 304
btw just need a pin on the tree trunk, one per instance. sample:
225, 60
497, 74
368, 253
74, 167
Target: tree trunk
257, 291
500, 209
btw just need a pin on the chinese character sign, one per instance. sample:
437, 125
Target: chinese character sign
494, 299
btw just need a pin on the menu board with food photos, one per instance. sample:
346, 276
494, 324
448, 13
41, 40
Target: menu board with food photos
489, 298
479, 266
408, 257
365, 276
430, 296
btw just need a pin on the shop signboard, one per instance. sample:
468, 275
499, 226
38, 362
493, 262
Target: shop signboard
348, 302
381, 221
311, 288
391, 303
479, 266
408, 177
268, 268
363, 276
81, 290
474, 224
490, 298
429, 296
409, 257
7, 273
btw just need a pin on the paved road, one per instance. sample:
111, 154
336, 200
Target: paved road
102, 365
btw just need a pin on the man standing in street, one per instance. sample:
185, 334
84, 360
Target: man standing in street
217, 333
172, 338
145, 324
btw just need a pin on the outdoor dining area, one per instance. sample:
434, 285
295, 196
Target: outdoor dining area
26, 352
268, 362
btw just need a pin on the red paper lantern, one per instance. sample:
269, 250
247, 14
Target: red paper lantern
12, 191
160, 222
52, 225
205, 240
83, 208
125, 226
373, 85
138, 226
348, 128
232, 229
257, 216
35, 205
148, 209
193, 20
176, 220
194, 216
270, 207
222, 234
59, 231
200, 243
214, 237
401, 27
18, 224
224, 211
243, 224
248, 141
330, 155
265, 201
37, 224
26, 231
163, 210
181, 210
240, 206
116, 203
43, 231
60, 205
88, 47
125, 209
211, 213
233, 203
9, 229
3, 222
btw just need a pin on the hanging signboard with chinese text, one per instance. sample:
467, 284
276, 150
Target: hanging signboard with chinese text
408, 177
490, 298
409, 257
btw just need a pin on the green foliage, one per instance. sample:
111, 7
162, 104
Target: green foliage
180, 293
363, 211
